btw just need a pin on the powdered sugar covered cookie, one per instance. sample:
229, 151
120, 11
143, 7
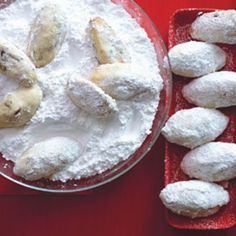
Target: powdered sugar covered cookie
194, 127
215, 27
215, 90
215, 161
47, 35
90, 98
109, 48
194, 59
194, 198
47, 157
124, 81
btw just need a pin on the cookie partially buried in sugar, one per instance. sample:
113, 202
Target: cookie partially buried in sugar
214, 162
46, 158
90, 98
194, 198
47, 35
17, 108
109, 48
194, 59
193, 127
215, 27
214, 90
125, 81
16, 65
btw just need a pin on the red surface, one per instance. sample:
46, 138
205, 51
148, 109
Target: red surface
226, 217
128, 206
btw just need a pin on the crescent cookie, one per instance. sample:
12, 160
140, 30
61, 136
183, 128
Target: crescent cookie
194, 198
16, 65
215, 27
214, 162
214, 90
109, 48
47, 157
90, 98
17, 108
193, 127
194, 59
124, 81
46, 36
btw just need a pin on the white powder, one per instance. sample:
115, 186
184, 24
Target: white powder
104, 142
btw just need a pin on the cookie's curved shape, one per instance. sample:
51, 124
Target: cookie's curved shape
16, 65
124, 81
214, 162
90, 98
214, 90
17, 108
194, 59
46, 36
109, 48
215, 27
193, 127
194, 198
47, 157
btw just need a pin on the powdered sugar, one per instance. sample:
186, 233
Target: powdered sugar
104, 142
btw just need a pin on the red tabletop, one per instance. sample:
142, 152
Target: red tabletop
128, 206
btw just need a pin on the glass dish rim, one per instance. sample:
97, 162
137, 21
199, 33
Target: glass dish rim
149, 147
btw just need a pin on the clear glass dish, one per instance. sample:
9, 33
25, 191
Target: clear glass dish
6, 167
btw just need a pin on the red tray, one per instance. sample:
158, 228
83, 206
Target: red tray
226, 217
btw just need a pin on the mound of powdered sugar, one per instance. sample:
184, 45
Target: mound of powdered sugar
104, 142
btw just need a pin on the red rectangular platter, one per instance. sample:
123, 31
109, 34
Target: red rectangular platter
178, 33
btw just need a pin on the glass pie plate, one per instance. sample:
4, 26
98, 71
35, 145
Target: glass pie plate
6, 167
